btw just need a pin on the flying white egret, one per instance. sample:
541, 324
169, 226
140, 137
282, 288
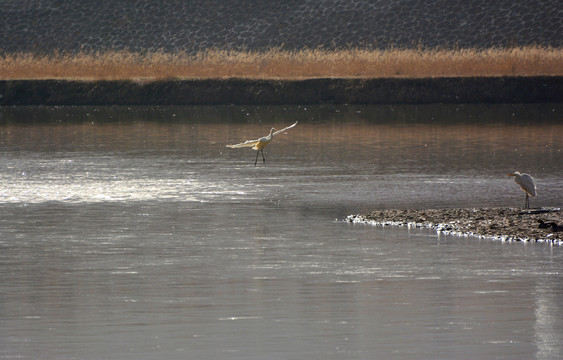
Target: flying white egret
526, 182
260, 144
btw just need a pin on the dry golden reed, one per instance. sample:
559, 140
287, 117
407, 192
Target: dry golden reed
285, 64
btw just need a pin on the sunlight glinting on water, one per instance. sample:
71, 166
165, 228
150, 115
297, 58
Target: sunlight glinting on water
119, 190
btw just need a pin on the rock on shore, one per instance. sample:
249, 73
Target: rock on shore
505, 224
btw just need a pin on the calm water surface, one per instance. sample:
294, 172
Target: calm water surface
134, 233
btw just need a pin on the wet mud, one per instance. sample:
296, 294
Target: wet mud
504, 224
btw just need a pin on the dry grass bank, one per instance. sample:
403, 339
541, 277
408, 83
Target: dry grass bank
283, 64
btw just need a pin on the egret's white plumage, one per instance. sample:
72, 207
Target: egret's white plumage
526, 182
260, 144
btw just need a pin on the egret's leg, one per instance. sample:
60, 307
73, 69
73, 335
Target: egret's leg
527, 203
263, 158
256, 161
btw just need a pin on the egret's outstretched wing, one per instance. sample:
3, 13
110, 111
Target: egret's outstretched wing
247, 143
284, 129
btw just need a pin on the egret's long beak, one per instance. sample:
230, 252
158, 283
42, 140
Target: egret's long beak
510, 175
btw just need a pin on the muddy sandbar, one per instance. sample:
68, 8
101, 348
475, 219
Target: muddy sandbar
505, 224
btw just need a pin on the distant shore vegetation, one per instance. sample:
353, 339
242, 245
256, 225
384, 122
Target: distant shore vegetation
284, 64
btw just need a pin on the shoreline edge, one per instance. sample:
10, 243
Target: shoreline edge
236, 91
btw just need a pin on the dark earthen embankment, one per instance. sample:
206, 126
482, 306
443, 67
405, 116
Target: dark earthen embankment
172, 25
271, 92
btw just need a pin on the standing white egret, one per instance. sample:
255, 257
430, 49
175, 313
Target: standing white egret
260, 144
526, 182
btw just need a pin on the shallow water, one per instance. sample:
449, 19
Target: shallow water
135, 233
